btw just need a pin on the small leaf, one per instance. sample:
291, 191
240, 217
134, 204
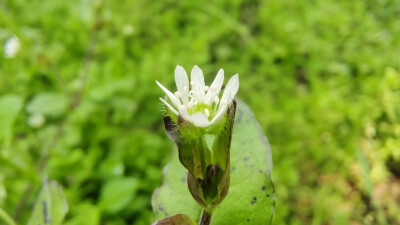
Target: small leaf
48, 104
84, 214
117, 193
179, 219
251, 197
110, 87
51, 205
10, 105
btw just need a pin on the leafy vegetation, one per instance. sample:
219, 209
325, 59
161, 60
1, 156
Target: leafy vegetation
79, 103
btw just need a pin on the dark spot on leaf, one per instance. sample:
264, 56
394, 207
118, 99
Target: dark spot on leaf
246, 158
254, 200
183, 179
234, 168
260, 171
251, 166
248, 220
263, 188
267, 196
46, 213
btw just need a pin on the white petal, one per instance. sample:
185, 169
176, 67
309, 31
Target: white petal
169, 106
175, 101
200, 120
185, 114
197, 79
182, 81
221, 111
215, 87
11, 47
230, 90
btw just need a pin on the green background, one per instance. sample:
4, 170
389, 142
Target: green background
322, 78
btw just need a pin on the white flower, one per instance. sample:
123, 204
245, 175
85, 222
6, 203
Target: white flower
200, 104
11, 47
36, 120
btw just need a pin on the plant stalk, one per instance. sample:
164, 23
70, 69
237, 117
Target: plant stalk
6, 218
205, 218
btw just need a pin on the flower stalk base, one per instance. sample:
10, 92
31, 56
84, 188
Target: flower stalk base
205, 218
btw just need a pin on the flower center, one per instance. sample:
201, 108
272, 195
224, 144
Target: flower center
202, 108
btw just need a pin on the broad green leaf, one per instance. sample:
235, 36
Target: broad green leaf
51, 205
110, 87
10, 105
84, 214
48, 104
251, 197
117, 193
179, 219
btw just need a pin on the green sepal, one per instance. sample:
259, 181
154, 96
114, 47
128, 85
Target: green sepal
210, 192
217, 127
189, 130
222, 143
212, 189
194, 154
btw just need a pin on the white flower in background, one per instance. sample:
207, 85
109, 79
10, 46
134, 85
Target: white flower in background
11, 47
36, 120
200, 104
128, 30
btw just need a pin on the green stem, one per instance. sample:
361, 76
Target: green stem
205, 218
6, 218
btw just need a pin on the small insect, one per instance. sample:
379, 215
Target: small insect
46, 215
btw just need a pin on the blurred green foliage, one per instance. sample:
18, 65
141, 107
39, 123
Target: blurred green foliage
80, 105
